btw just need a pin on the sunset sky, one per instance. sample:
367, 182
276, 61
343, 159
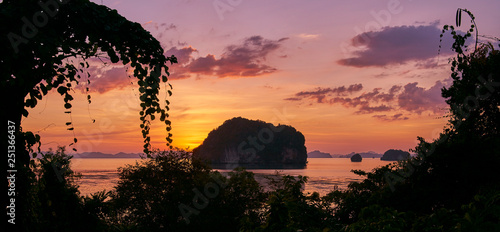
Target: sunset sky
352, 76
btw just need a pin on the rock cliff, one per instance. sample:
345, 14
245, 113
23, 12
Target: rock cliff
253, 144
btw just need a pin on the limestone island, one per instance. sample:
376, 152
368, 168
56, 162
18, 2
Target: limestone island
356, 158
253, 144
395, 155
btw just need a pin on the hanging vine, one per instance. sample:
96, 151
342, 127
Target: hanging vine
79, 30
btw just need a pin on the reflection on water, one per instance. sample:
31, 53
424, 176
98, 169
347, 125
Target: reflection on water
324, 173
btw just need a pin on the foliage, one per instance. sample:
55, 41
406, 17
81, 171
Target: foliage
289, 209
451, 185
172, 191
55, 201
451, 177
46, 46
37, 57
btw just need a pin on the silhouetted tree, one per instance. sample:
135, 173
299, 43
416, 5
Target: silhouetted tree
40, 48
174, 192
452, 184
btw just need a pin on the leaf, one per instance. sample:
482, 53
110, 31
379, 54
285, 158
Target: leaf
44, 89
68, 123
62, 90
75, 140
71, 128
67, 106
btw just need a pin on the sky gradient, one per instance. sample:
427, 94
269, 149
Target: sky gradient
352, 76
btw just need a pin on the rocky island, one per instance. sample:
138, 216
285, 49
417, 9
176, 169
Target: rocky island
356, 158
318, 154
395, 155
240, 142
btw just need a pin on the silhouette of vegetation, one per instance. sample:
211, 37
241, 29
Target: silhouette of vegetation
253, 143
54, 200
450, 185
174, 192
46, 47
451, 177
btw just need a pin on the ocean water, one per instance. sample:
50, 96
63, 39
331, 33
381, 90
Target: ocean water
324, 173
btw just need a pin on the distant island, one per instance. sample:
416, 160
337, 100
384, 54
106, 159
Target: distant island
395, 155
97, 155
253, 144
318, 154
356, 158
365, 155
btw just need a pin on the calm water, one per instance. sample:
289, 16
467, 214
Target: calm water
324, 173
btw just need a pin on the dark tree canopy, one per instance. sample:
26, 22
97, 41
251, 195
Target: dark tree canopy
47, 45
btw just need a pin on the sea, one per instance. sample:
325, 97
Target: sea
324, 174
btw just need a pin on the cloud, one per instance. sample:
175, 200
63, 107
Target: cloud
395, 117
321, 93
243, 60
396, 45
308, 36
104, 79
417, 99
407, 99
365, 102
184, 57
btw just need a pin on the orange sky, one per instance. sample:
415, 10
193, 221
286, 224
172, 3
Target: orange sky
308, 65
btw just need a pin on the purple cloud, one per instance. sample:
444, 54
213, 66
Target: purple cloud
243, 60
417, 99
409, 98
321, 93
395, 117
365, 102
396, 45
103, 80
184, 57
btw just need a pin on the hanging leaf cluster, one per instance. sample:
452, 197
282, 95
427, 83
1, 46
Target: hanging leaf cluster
42, 57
